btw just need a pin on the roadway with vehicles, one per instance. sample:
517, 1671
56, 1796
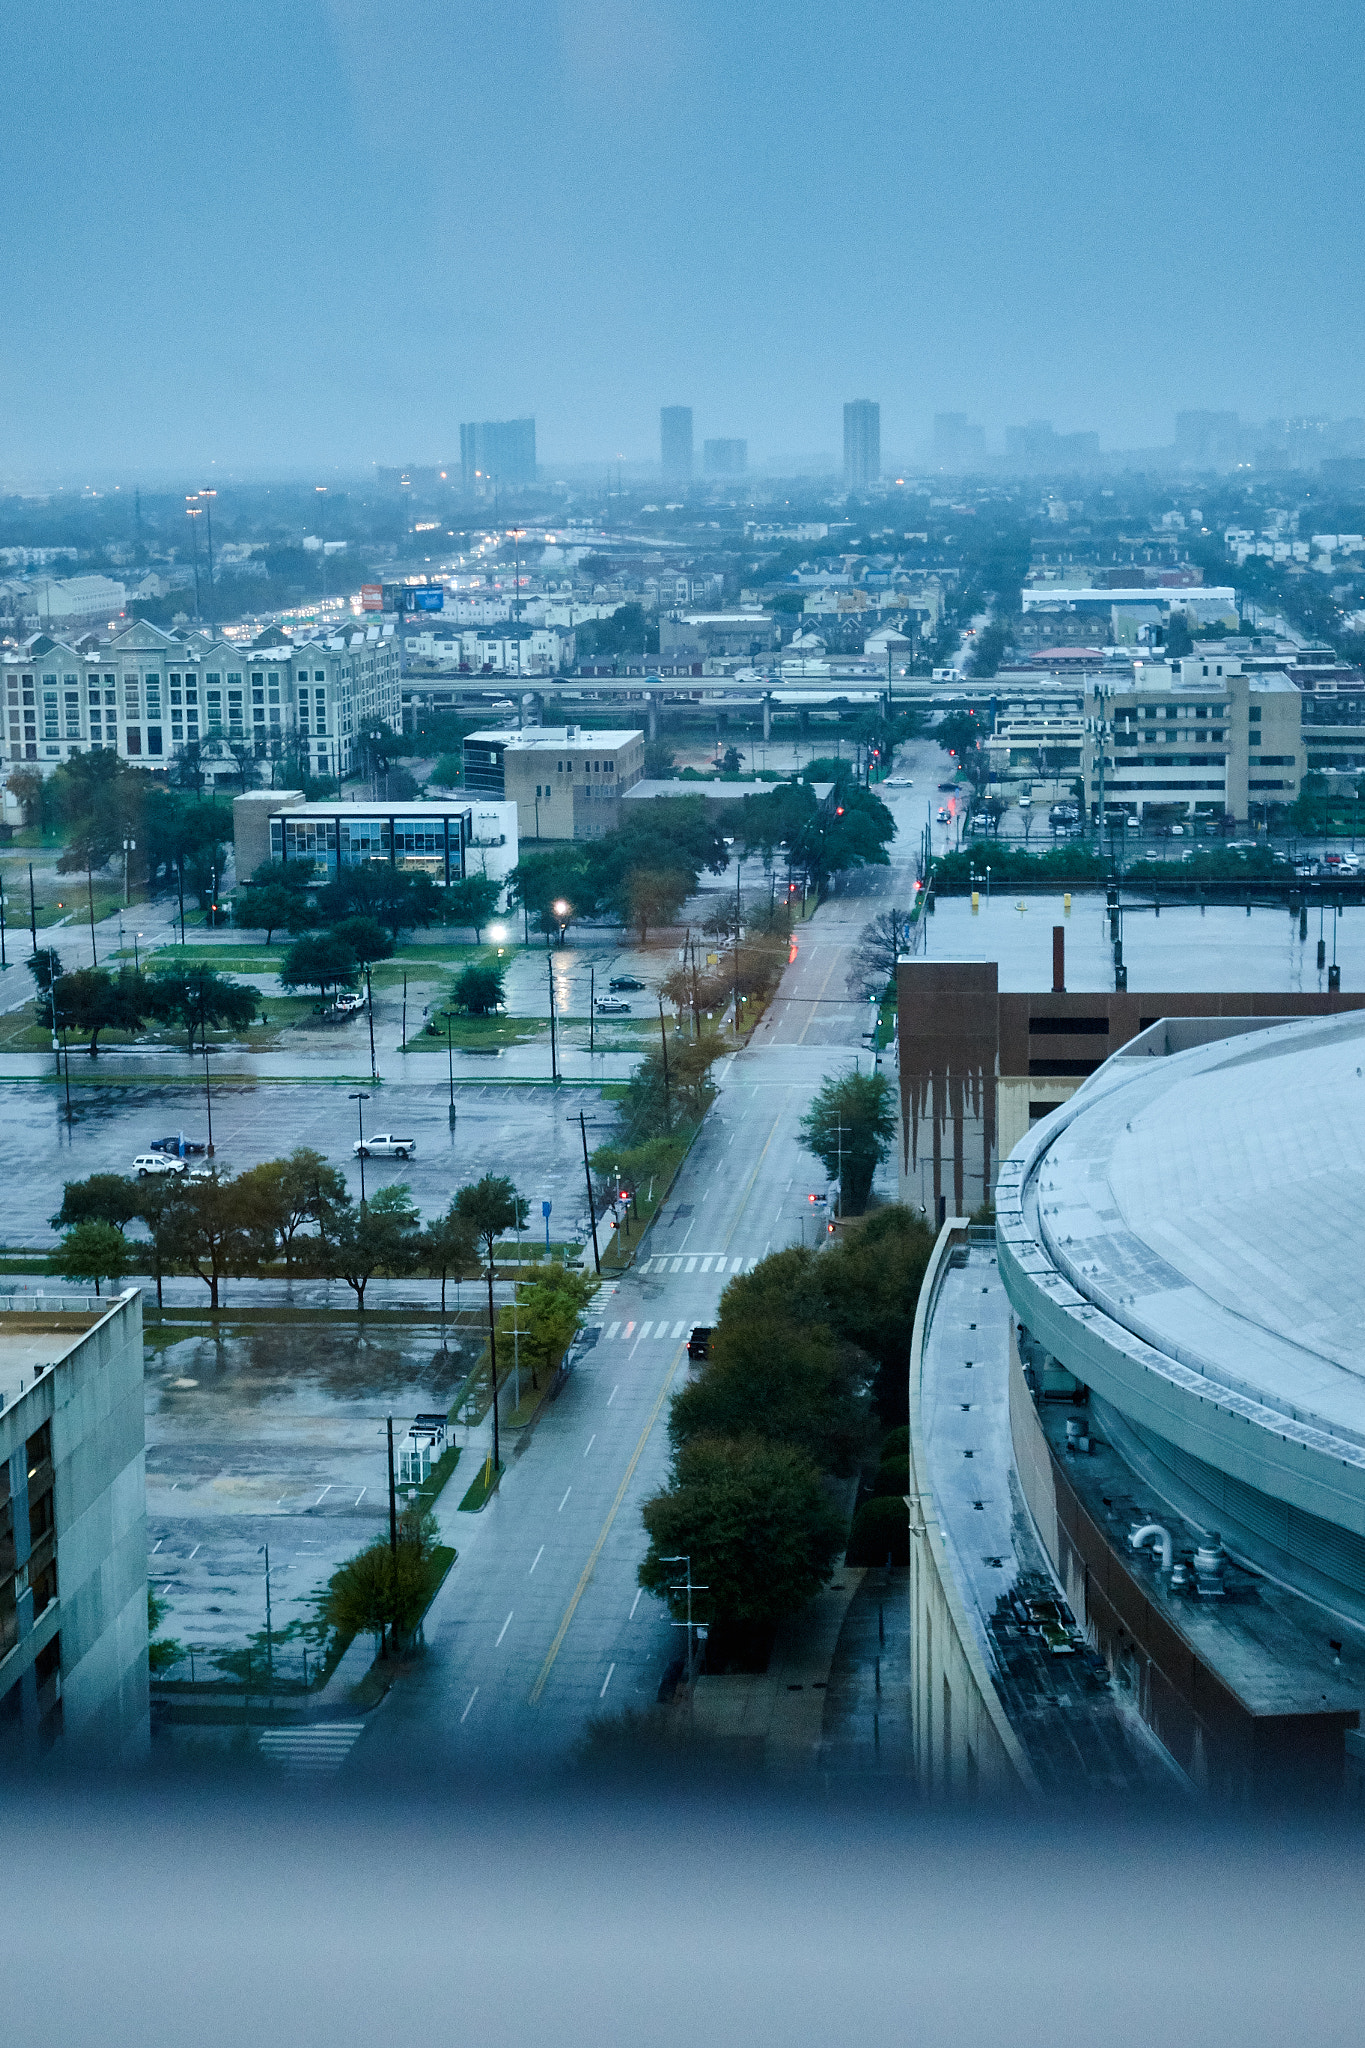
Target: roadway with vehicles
542, 1627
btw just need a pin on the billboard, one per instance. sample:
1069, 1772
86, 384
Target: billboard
429, 600
372, 597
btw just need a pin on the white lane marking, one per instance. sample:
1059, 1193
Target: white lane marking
736, 1265
612, 1328
322, 1496
591, 1441
706, 1264
503, 1630
644, 1265
691, 1265
536, 1559
560, 1509
661, 1334
360, 1496
157, 1545
468, 1704
625, 1334
606, 1681
614, 1392
645, 1329
635, 1603
750, 1267
194, 1553
678, 1329
677, 1265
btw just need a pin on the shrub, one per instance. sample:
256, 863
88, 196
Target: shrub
881, 1530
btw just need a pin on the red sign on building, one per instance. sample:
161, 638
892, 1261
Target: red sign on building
372, 597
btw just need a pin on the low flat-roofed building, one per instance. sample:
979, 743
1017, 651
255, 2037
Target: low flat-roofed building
73, 1533
442, 840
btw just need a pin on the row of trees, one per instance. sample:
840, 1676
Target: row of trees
283, 896
297, 1210
808, 1349
94, 999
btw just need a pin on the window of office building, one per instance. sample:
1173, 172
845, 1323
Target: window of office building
364, 840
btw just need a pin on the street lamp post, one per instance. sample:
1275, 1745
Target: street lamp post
360, 1098
321, 490
193, 512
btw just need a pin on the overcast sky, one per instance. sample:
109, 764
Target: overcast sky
315, 236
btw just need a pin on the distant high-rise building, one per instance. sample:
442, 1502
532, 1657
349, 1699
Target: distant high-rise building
675, 443
1208, 440
497, 452
1039, 447
862, 443
958, 444
724, 458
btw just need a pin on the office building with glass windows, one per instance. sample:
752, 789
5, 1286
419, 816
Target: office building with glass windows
445, 841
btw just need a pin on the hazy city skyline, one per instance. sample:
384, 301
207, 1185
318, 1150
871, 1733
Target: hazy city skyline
1006, 226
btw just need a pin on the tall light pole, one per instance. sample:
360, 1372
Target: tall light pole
208, 496
360, 1098
193, 512
321, 490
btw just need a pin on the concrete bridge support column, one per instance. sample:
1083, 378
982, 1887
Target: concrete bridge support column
652, 700
767, 716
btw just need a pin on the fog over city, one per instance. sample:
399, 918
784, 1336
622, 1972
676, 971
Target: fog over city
320, 237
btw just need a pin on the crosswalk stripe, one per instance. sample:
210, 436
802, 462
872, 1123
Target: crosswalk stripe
645, 1329
323, 1747
736, 1265
678, 1329
644, 1265
691, 1265
706, 1264
612, 1328
752, 1263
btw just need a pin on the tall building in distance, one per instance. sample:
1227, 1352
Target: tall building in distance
862, 443
501, 452
675, 443
724, 458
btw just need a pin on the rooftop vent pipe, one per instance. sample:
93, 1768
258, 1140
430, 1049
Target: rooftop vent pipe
1162, 1538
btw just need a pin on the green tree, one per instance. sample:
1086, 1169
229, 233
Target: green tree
652, 896
756, 1522
94, 1001
546, 1316
382, 1589
491, 1206
313, 1191
158, 1206
659, 760
472, 902
269, 909
95, 1251
366, 938
871, 1276
383, 1236
210, 1233
398, 900
200, 1000
874, 963
449, 1246
790, 1383
321, 963
448, 773
113, 1198
849, 1128
478, 988
163, 1654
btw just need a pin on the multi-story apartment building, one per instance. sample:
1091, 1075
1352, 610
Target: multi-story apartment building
148, 695
566, 781
73, 1527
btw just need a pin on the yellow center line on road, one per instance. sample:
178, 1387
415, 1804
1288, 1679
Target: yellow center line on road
581, 1588
749, 1185
823, 986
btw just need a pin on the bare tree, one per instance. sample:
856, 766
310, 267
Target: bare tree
874, 963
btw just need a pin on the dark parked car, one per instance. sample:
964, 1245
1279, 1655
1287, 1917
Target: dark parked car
179, 1147
619, 981
948, 785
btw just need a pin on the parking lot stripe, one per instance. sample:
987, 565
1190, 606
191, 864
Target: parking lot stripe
635, 1603
468, 1704
536, 1559
591, 1441
503, 1630
614, 1392
560, 1509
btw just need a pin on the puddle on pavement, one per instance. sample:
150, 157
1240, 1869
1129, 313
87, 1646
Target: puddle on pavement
306, 1366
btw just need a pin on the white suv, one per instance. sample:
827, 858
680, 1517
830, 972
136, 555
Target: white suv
158, 1162
384, 1148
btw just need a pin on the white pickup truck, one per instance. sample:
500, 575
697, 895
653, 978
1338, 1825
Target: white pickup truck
384, 1147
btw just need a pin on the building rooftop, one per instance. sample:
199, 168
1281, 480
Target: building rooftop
35, 1336
1209, 1204
1073, 1724
556, 736
1183, 950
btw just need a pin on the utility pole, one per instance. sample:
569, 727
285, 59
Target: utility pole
369, 1005
493, 1359
689, 1588
738, 915
554, 1055
592, 1212
32, 908
663, 1034
208, 497
269, 1628
393, 1542
90, 889
360, 1099
592, 1009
